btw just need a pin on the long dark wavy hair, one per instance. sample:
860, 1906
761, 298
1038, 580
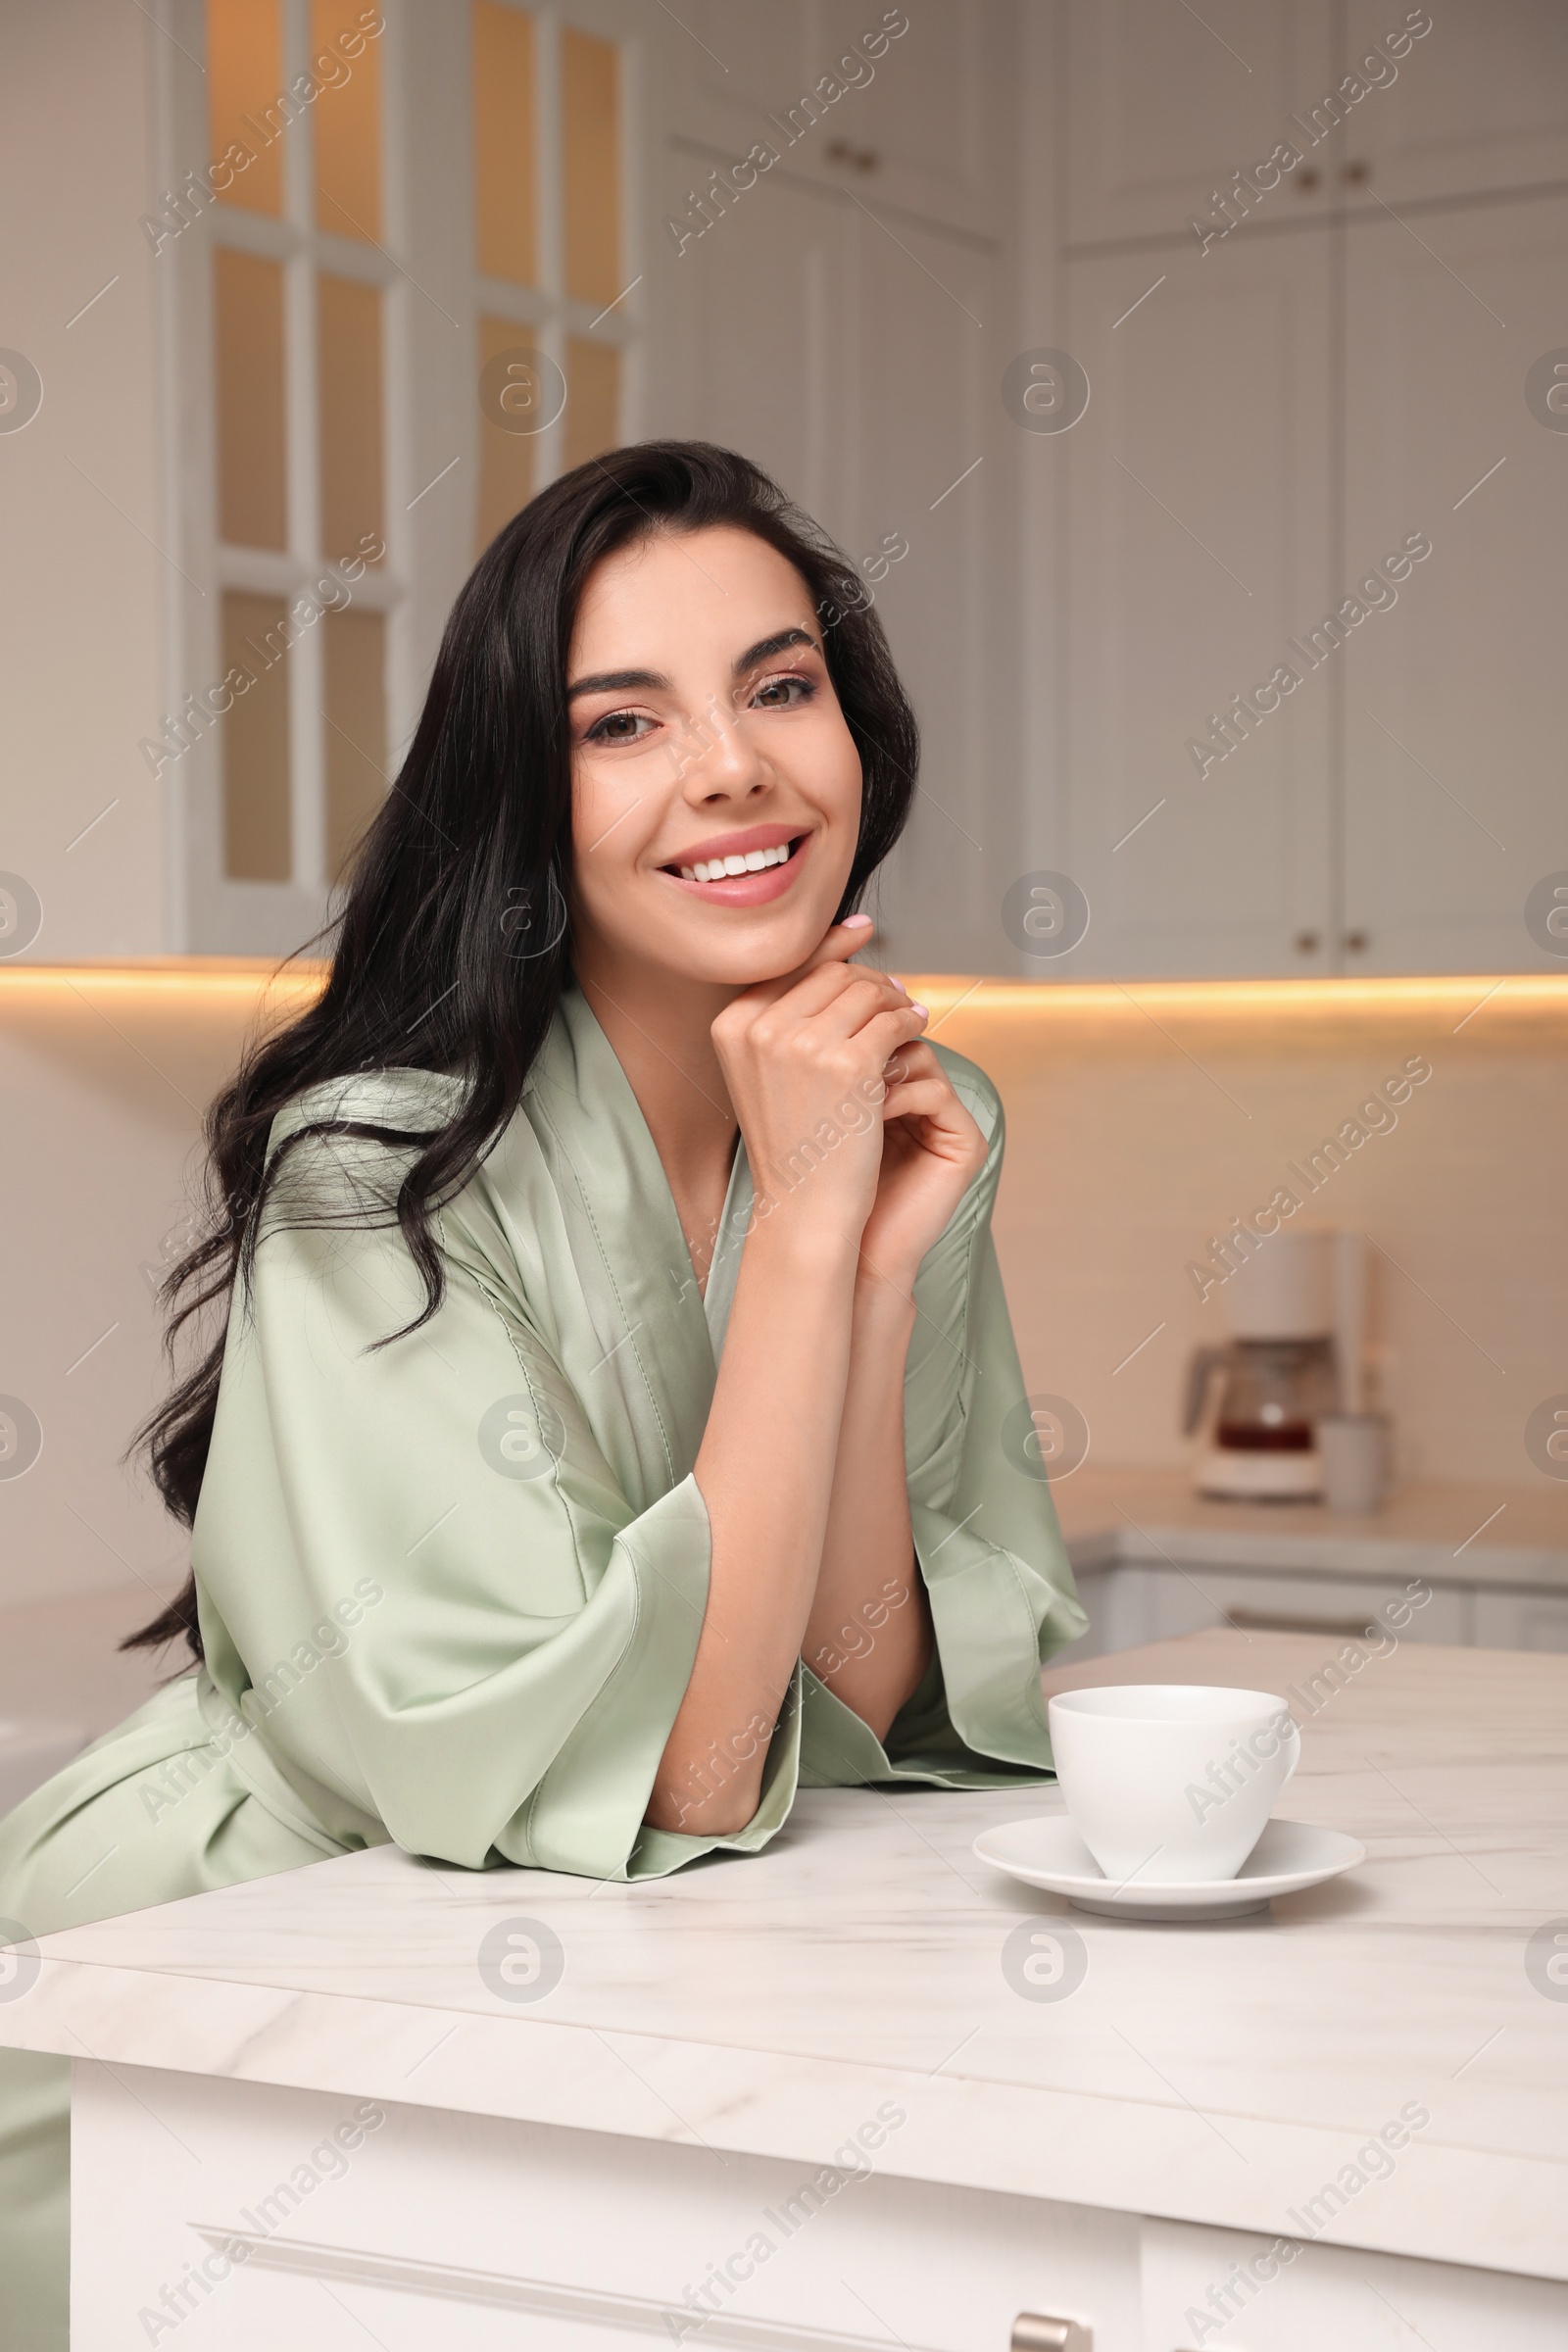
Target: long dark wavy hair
454, 942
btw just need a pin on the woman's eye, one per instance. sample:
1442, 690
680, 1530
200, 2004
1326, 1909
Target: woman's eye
781, 694
618, 727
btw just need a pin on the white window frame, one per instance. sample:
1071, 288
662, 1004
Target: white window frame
432, 300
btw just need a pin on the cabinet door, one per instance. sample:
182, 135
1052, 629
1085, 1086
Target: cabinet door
1478, 103
1198, 542
760, 346
910, 124
1164, 104
926, 447
1522, 1620
1133, 1603
1455, 700
853, 346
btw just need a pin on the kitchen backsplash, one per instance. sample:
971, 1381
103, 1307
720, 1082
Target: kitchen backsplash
1142, 1124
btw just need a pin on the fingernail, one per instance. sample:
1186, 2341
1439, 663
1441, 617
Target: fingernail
856, 922
919, 1008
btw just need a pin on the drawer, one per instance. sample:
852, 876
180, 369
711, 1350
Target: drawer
1219, 2288
1134, 1603
1522, 1620
480, 2234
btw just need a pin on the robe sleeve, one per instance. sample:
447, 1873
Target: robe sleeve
989, 1549
421, 1587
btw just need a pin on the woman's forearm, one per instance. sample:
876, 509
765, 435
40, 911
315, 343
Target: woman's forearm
766, 1471
868, 1635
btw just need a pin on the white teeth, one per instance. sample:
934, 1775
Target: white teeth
717, 869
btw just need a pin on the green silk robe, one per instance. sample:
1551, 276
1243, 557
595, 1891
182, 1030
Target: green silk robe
451, 1589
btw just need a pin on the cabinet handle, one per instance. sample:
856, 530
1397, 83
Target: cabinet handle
1307, 942
1032, 2332
1356, 942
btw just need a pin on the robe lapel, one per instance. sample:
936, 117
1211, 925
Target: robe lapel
724, 1265
643, 1365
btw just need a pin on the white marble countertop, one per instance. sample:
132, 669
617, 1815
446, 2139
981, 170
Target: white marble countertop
1219, 2074
1449, 1531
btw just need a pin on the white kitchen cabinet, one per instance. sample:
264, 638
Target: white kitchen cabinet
487, 2230
914, 125
1198, 542
1165, 104
1130, 1602
1274, 414
845, 323
1479, 103
1522, 1620
1455, 702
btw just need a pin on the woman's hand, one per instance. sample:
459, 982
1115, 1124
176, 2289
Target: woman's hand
932, 1151
804, 1058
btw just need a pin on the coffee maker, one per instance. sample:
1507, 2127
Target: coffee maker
1296, 1311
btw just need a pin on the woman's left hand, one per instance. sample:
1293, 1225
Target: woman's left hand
932, 1151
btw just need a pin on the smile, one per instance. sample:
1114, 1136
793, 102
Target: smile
715, 868
745, 875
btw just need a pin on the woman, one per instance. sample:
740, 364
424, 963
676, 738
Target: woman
608, 1435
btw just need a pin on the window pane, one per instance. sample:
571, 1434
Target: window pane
355, 729
245, 77
348, 323
591, 106
257, 832
593, 398
248, 302
506, 459
503, 141
348, 121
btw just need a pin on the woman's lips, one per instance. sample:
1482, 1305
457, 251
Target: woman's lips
748, 889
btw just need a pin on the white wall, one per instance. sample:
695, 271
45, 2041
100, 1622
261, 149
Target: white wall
83, 588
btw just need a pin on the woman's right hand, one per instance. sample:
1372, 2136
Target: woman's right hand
803, 1059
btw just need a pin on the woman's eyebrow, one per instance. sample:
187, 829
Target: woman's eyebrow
766, 647
619, 681
623, 681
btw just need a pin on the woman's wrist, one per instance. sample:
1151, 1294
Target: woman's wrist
811, 1249
884, 1292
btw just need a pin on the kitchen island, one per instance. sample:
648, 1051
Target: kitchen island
859, 2090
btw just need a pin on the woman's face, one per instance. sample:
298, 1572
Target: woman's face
707, 738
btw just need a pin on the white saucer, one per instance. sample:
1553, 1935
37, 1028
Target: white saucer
1047, 1851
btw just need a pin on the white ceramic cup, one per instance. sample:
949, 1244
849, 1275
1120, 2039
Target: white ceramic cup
1171, 1783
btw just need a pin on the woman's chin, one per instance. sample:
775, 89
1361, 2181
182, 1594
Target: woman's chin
754, 950
753, 964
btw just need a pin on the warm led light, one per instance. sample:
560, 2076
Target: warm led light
945, 992
192, 975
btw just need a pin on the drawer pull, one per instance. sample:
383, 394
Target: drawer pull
1032, 2332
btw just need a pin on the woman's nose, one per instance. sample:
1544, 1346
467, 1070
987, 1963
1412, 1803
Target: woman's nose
716, 758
